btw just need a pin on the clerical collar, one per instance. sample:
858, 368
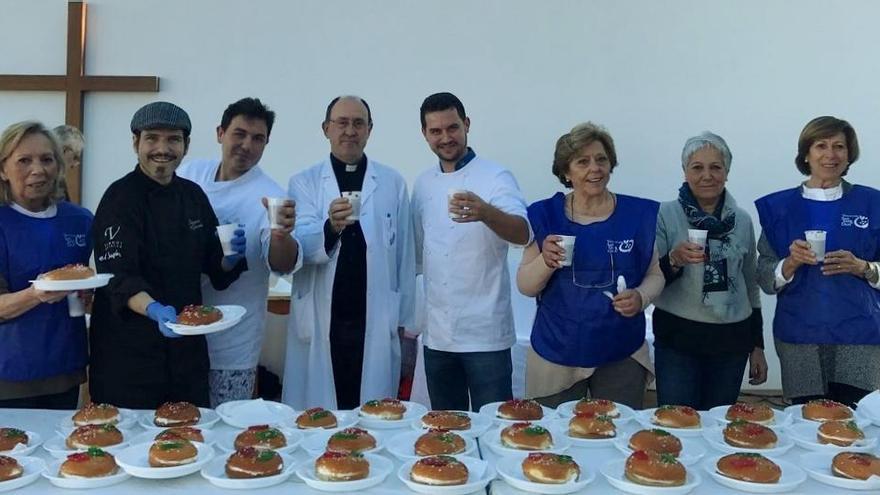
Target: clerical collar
341, 166
470, 155
819, 194
49, 212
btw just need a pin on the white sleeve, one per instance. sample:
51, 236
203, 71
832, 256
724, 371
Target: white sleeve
507, 197
780, 280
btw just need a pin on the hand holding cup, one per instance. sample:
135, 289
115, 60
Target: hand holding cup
282, 214
552, 252
339, 211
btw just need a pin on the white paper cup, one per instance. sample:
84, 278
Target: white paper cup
449, 196
273, 205
698, 236
226, 233
567, 243
75, 305
816, 238
353, 197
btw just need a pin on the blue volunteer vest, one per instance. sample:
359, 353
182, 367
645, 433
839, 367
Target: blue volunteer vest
44, 341
819, 309
575, 323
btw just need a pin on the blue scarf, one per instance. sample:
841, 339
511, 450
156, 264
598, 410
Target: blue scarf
715, 277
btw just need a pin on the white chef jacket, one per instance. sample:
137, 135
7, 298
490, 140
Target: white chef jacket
239, 201
467, 283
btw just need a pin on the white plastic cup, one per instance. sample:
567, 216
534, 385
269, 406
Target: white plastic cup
75, 305
567, 243
354, 198
816, 238
698, 236
226, 233
273, 207
450, 196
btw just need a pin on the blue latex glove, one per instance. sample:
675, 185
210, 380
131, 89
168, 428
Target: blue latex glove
161, 315
239, 245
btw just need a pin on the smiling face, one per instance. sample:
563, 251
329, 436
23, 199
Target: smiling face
242, 143
446, 134
590, 170
160, 152
31, 172
828, 159
706, 175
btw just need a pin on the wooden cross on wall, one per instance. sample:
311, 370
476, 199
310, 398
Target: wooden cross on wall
74, 83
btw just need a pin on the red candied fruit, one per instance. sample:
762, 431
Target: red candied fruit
438, 430
690, 411
78, 457
314, 410
586, 414
6, 461
641, 455
754, 430
743, 462
745, 408
354, 431
334, 455
517, 426
860, 459
438, 461
248, 452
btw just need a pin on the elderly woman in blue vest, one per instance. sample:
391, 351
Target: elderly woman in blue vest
827, 324
707, 321
588, 336
43, 351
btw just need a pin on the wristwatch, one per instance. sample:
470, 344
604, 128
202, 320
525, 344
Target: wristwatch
870, 272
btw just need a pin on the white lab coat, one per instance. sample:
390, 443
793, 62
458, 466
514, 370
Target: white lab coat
385, 221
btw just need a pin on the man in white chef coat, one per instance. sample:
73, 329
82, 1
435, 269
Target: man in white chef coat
466, 210
355, 290
235, 186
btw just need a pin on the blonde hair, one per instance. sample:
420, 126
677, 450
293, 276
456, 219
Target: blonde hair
9, 141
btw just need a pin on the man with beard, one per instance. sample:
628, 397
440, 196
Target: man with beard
461, 247
155, 232
238, 189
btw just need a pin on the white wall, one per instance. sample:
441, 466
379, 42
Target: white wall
653, 72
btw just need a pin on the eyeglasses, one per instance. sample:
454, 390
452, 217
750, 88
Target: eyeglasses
342, 124
598, 284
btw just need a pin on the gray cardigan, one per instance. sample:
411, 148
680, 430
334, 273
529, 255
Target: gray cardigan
683, 296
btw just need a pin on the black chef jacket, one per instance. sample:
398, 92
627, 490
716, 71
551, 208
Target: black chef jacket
157, 239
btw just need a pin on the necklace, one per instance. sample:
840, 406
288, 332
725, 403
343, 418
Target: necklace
604, 211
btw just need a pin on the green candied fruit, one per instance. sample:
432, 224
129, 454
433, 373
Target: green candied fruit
659, 432
372, 403
267, 434
851, 425
344, 436
737, 422
170, 445
13, 433
750, 455
564, 459
668, 459
95, 452
265, 456
535, 430
319, 415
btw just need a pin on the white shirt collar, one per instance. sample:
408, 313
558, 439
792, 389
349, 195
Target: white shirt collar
819, 194
49, 212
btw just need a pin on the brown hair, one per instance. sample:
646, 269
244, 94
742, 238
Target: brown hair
572, 142
822, 128
9, 141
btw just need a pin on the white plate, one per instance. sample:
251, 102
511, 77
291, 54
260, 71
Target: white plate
135, 461
561, 425
403, 444
715, 438
818, 467
316, 444
34, 441
231, 316
245, 413
691, 449
804, 435
57, 445
479, 424
413, 410
150, 437
780, 418
209, 418
613, 472
798, 415
380, 468
51, 474
32, 468
627, 414
792, 477
127, 417
99, 280
479, 475
492, 438
490, 410
510, 469
645, 418
344, 419
215, 473
226, 440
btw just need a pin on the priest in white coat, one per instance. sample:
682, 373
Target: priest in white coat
235, 186
355, 290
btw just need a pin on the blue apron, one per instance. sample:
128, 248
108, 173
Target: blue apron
575, 323
44, 341
819, 309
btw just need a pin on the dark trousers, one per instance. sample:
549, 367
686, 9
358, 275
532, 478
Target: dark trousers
840, 392
699, 381
347, 358
62, 400
456, 379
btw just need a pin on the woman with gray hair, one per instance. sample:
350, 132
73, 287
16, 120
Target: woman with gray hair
43, 356
707, 321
